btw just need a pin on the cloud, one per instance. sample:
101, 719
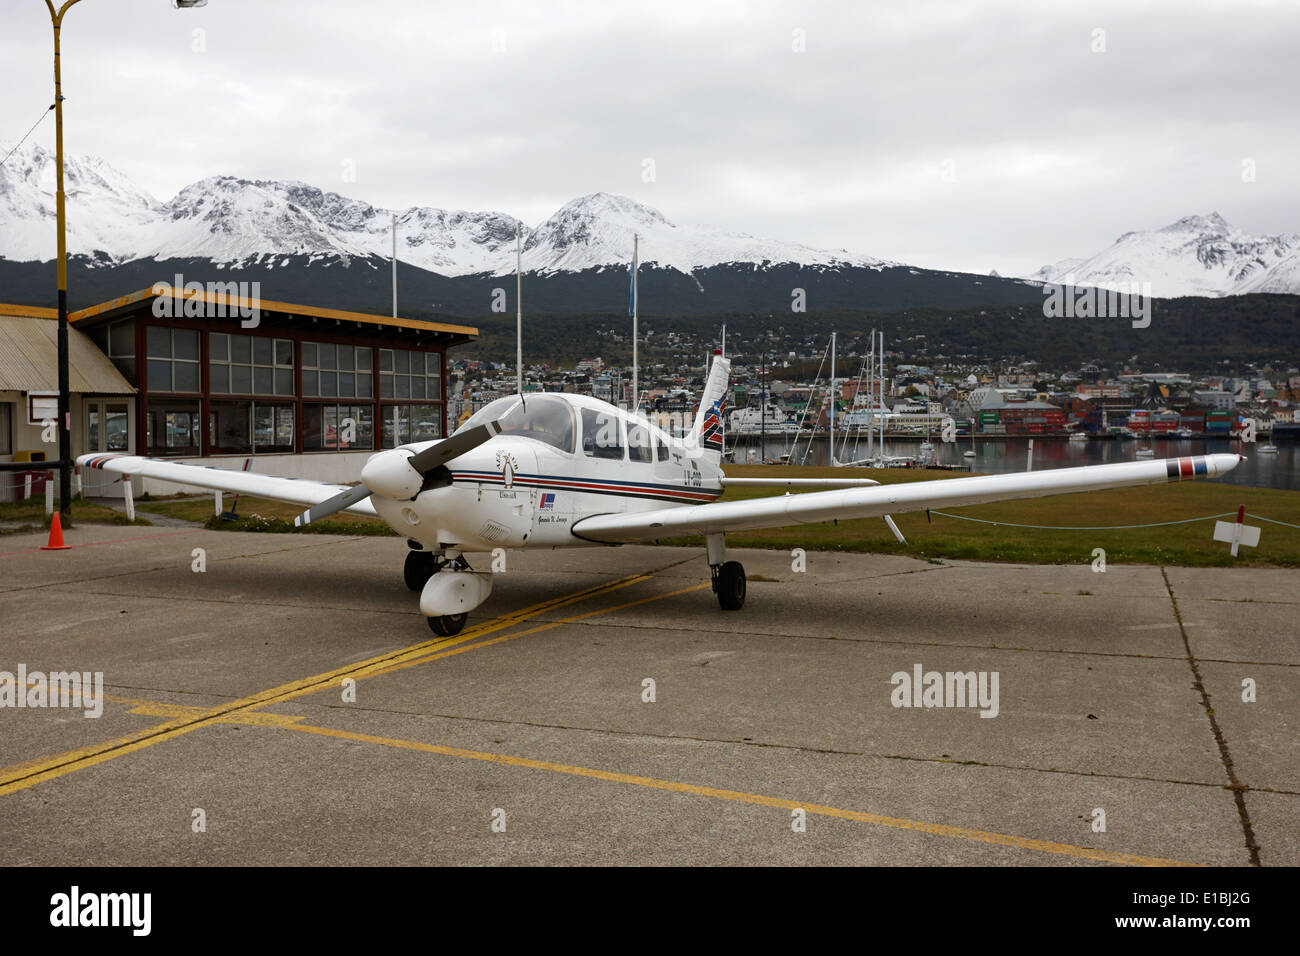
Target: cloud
967, 136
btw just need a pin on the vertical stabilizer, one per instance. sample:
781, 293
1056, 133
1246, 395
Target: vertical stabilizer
707, 433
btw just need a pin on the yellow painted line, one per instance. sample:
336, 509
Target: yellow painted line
27, 774
739, 796
534, 630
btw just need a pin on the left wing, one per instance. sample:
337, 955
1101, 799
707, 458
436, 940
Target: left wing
300, 491
776, 512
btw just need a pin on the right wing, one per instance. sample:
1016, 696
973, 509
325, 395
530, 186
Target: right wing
783, 510
299, 491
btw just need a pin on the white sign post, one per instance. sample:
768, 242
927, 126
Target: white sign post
1237, 532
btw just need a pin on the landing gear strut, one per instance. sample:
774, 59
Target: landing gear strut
728, 576
420, 566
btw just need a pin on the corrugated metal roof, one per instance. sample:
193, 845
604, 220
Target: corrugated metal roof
29, 359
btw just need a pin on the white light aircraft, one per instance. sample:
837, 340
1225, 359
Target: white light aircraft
556, 470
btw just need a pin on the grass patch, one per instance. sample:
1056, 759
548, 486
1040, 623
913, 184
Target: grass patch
28, 516
1188, 545
261, 515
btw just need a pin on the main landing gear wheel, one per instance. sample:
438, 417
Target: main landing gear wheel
449, 625
417, 570
729, 583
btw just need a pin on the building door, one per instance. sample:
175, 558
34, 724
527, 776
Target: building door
108, 426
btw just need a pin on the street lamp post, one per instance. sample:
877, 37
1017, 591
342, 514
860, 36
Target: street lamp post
65, 398
65, 401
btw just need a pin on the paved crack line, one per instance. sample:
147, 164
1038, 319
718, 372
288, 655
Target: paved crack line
1238, 791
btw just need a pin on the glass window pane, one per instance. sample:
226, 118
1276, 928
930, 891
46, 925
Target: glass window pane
425, 422
241, 379
345, 360
115, 428
403, 384
92, 428
347, 384
160, 342
121, 339
262, 351
160, 375
331, 426
364, 384
401, 361
363, 358
283, 352
365, 416
638, 443
284, 426
385, 386
385, 360
417, 386
185, 376
313, 432
241, 349
262, 381
263, 426
329, 385
308, 354
218, 347
185, 344
229, 425
310, 385
218, 378
326, 356
284, 381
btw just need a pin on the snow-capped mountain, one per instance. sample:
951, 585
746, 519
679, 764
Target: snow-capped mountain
597, 230
1197, 255
106, 211
226, 219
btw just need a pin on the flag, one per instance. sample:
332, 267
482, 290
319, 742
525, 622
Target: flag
631, 290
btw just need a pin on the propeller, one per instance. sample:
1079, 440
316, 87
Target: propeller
388, 467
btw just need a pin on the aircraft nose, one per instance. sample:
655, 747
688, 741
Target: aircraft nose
391, 474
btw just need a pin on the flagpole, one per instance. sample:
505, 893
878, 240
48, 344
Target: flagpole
636, 394
519, 312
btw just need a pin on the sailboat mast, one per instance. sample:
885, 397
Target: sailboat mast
831, 399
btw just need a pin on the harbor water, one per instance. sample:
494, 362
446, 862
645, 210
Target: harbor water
998, 456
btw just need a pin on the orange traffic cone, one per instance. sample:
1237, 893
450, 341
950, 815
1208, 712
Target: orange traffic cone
56, 535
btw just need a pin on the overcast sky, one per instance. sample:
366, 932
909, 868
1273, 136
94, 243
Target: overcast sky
960, 135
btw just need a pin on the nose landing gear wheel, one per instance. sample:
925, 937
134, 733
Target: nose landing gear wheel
729, 583
417, 570
448, 625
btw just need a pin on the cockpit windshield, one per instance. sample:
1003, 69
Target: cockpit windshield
548, 420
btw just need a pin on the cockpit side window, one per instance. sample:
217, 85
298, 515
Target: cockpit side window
601, 435
638, 443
